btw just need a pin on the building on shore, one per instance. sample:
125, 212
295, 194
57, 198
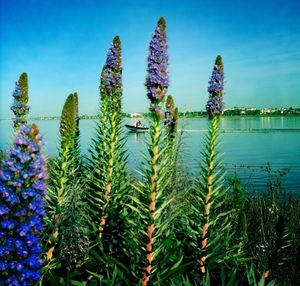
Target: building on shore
135, 115
241, 111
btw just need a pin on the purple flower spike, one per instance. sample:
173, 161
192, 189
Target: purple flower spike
111, 77
215, 104
3, 210
20, 105
157, 80
22, 178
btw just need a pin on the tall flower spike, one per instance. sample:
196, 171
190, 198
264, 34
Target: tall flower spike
20, 105
157, 80
215, 104
68, 122
22, 186
111, 76
211, 192
63, 173
169, 109
108, 192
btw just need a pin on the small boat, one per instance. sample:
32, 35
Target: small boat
140, 128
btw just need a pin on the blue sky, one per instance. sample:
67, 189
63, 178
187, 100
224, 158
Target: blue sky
62, 46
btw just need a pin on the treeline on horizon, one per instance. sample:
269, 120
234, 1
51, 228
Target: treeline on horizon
77, 220
236, 111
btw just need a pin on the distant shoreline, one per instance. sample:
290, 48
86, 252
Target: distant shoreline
181, 115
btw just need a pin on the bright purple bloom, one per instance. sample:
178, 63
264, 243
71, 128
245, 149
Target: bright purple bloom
20, 104
3, 210
26, 129
112, 77
157, 80
215, 104
17, 92
18, 243
5, 175
37, 163
20, 212
28, 192
19, 266
8, 224
12, 198
33, 275
34, 262
2, 234
17, 182
36, 249
9, 162
4, 251
39, 185
4, 191
31, 240
3, 265
22, 184
28, 173
16, 167
23, 229
22, 140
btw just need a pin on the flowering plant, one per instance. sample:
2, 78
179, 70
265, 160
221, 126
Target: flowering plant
22, 187
157, 80
215, 104
20, 105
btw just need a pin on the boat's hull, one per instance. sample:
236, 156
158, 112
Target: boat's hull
136, 129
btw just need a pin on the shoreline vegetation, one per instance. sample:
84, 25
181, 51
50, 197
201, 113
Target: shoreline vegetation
78, 221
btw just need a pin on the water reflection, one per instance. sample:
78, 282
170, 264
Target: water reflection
137, 137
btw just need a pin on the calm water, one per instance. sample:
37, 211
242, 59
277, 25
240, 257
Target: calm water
247, 143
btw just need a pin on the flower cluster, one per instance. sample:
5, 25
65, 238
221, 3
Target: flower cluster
215, 104
112, 76
157, 80
22, 188
20, 105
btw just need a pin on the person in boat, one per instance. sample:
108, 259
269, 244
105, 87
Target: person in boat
138, 123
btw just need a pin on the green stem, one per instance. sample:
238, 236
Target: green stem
212, 140
113, 138
68, 277
64, 167
155, 136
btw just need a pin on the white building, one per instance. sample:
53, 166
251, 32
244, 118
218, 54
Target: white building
133, 115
